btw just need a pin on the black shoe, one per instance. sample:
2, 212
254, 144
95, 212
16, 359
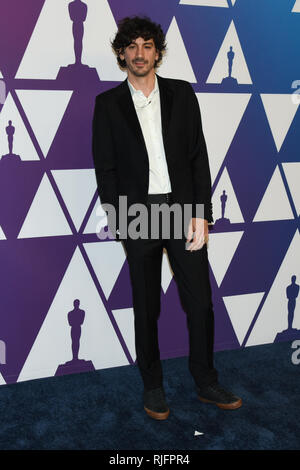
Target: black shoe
155, 404
224, 399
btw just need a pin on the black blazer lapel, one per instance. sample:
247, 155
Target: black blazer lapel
130, 115
166, 103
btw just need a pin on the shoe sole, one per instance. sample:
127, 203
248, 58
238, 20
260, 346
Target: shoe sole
157, 415
224, 406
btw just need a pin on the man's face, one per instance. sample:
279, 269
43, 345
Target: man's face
140, 56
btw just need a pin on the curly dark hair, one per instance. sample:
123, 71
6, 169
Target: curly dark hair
130, 28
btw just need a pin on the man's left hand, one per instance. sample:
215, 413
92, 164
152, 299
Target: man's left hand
198, 227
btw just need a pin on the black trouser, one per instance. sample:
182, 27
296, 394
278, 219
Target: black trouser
191, 272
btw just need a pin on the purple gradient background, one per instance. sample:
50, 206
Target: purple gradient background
31, 269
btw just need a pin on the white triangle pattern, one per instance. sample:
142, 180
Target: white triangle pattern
97, 220
2, 234
2, 381
107, 259
22, 144
280, 111
274, 204
167, 272
292, 173
221, 249
232, 208
296, 7
239, 67
241, 310
125, 321
37, 65
45, 217
176, 54
273, 317
98, 29
98, 342
221, 115
44, 124
77, 188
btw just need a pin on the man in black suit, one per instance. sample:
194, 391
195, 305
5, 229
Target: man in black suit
148, 147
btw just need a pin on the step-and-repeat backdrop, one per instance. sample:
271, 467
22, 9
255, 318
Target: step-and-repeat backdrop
66, 299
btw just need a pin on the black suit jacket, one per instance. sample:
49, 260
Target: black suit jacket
120, 154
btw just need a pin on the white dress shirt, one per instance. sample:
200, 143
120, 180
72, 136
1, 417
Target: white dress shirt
149, 115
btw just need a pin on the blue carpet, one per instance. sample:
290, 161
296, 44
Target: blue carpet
104, 409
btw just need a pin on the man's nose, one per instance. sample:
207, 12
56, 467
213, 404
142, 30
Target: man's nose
140, 53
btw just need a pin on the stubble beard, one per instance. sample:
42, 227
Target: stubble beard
140, 73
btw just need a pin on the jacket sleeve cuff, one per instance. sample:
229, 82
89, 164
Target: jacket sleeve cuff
204, 211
